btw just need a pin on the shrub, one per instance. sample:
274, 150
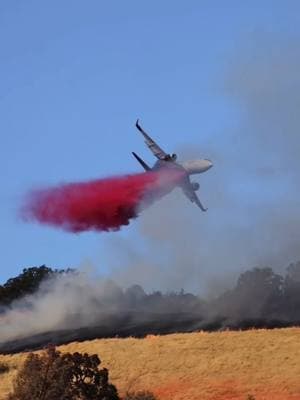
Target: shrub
53, 376
3, 368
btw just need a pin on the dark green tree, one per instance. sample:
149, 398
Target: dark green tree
53, 376
26, 283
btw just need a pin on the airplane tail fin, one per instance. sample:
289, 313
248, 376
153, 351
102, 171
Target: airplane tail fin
142, 162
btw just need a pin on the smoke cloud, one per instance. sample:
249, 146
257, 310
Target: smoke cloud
78, 306
80, 300
65, 301
264, 162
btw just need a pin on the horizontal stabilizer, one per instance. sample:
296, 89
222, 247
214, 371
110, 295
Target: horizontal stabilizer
142, 162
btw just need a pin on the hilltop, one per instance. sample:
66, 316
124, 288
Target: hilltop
196, 366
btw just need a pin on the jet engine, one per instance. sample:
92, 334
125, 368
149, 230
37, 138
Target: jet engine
195, 186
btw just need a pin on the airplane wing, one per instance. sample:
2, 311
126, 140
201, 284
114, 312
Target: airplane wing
156, 150
191, 194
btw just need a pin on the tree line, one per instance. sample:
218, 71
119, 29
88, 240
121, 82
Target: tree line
258, 293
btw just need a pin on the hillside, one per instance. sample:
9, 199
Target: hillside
200, 366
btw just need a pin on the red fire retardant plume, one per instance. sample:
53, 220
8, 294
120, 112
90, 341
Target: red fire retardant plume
102, 205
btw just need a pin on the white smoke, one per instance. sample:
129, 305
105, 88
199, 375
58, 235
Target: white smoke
69, 300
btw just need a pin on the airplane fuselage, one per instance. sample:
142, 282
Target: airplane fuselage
190, 167
169, 162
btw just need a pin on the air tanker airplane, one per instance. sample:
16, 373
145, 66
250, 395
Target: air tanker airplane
169, 161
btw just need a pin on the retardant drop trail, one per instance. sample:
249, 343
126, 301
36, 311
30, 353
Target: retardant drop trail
102, 205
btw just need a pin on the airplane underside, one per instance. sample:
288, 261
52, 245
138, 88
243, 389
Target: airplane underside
168, 162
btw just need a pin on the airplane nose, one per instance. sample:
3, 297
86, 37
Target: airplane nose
209, 163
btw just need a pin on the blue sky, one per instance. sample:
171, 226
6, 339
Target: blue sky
75, 76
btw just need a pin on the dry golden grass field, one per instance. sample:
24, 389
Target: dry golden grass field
196, 366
